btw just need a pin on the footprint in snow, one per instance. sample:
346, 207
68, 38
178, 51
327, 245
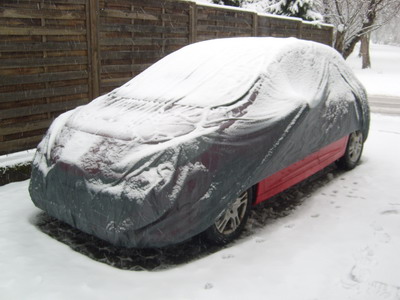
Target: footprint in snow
359, 276
361, 270
381, 235
384, 237
383, 290
376, 227
208, 286
391, 212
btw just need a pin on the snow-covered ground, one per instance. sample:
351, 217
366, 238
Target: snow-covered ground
383, 77
342, 242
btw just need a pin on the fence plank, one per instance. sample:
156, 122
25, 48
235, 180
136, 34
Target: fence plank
45, 46
24, 127
19, 144
143, 28
41, 108
42, 93
143, 41
129, 15
40, 31
40, 13
44, 77
41, 62
124, 68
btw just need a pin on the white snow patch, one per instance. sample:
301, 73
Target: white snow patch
16, 158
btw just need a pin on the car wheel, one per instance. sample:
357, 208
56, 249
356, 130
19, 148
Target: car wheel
353, 152
231, 222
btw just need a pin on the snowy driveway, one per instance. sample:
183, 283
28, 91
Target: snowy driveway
343, 242
385, 104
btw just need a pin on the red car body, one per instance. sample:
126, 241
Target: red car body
299, 171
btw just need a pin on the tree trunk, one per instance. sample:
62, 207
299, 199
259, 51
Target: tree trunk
364, 50
339, 42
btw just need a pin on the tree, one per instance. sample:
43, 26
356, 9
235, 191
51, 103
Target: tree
295, 8
354, 20
364, 51
389, 33
236, 3
304, 9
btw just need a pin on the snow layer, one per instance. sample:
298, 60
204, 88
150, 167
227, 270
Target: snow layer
16, 158
217, 72
342, 243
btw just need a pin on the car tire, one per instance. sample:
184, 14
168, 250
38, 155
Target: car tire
353, 152
230, 224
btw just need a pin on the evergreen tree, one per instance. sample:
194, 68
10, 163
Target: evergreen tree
295, 8
235, 3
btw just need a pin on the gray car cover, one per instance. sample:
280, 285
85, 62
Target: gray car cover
157, 160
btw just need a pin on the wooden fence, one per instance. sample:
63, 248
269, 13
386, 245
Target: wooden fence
59, 54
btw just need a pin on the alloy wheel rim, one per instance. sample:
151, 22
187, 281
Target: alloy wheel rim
355, 146
232, 218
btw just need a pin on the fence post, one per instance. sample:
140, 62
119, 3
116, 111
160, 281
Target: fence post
300, 30
255, 24
192, 22
331, 37
93, 48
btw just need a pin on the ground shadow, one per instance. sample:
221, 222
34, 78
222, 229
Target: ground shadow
123, 258
169, 257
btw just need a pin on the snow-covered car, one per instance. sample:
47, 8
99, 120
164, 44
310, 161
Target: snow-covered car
187, 146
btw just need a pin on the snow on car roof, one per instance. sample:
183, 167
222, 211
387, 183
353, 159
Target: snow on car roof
207, 80
212, 73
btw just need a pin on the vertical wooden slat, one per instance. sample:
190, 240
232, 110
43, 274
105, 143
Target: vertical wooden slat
300, 30
163, 33
193, 23
133, 37
45, 68
93, 48
330, 37
255, 24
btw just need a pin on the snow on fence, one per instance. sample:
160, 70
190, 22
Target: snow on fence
58, 54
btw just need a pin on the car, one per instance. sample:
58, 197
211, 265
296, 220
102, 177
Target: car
189, 145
